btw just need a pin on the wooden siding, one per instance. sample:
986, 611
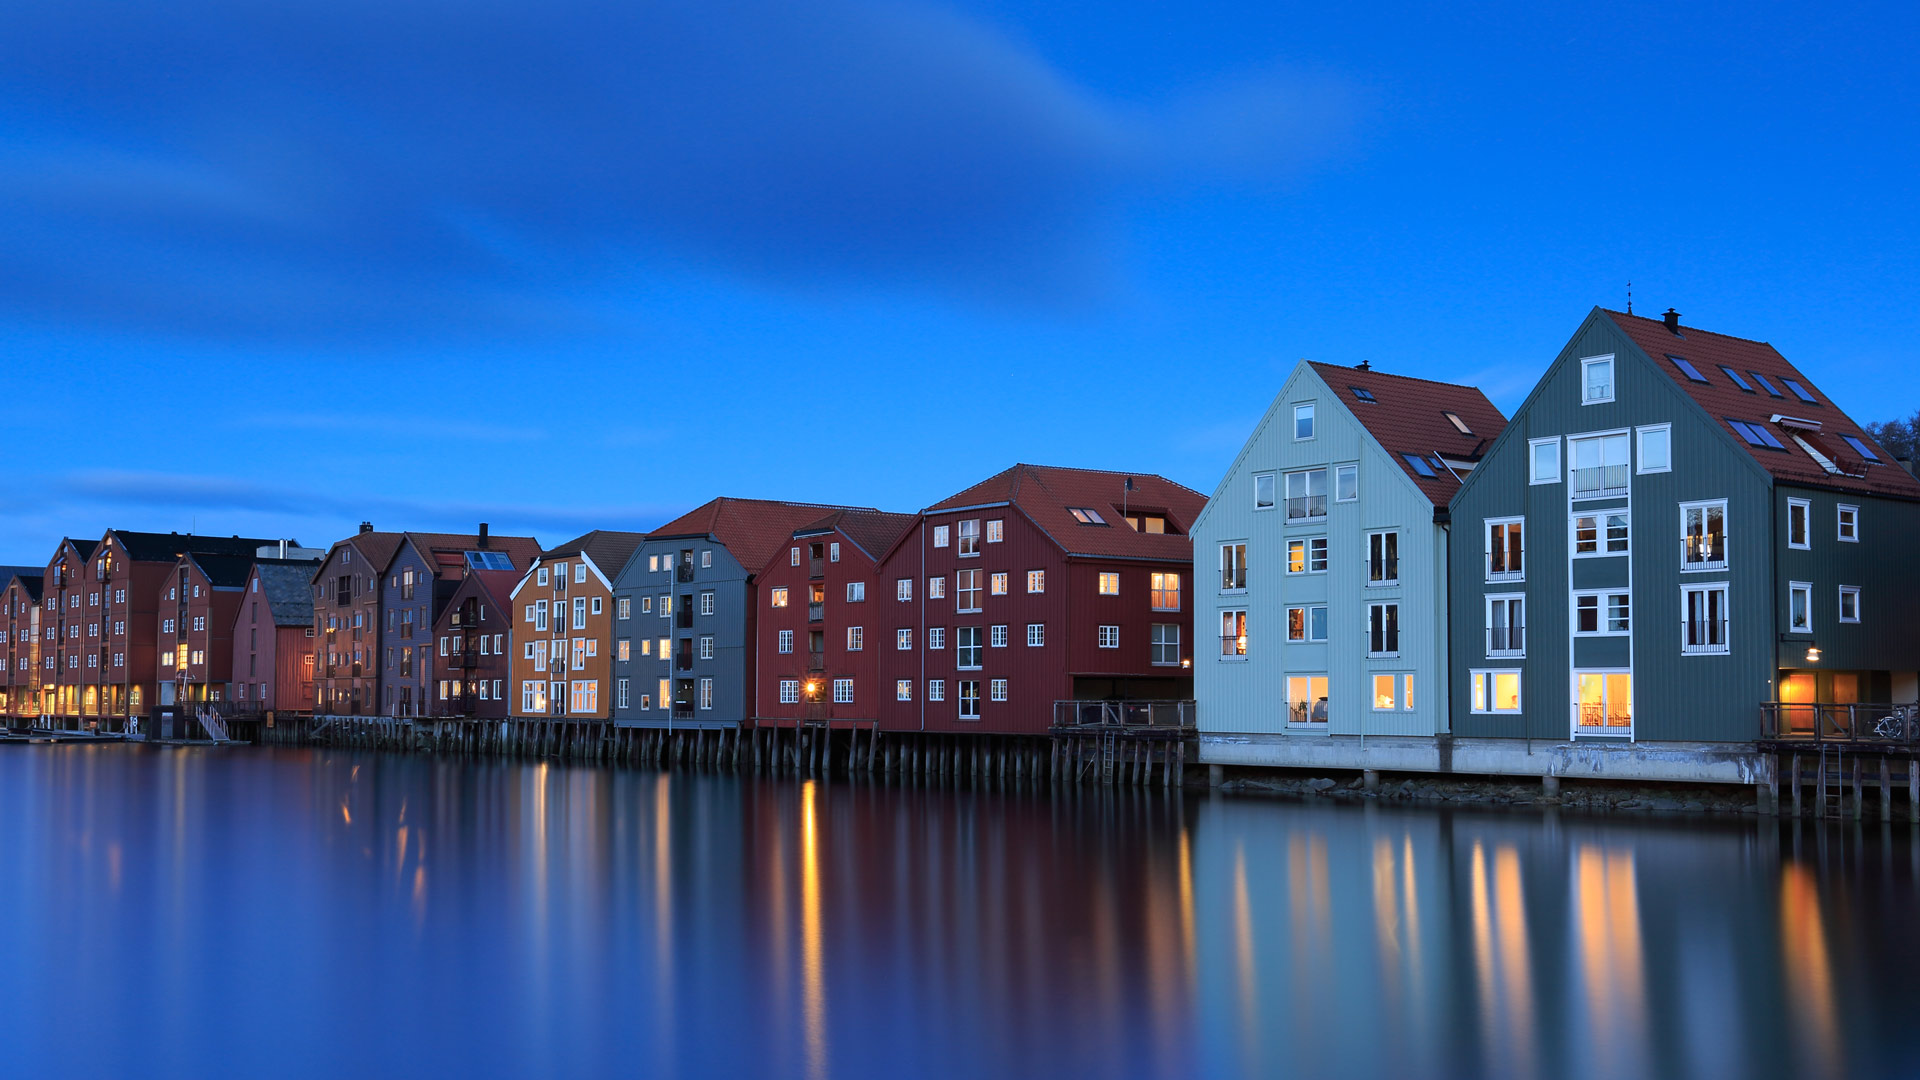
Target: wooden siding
596, 667
731, 626
876, 616
1880, 564
23, 677
1250, 695
346, 633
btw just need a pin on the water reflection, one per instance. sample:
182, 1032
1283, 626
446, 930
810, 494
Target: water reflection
408, 916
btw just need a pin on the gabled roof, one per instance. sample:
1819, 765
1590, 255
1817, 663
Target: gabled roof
609, 550
446, 553
873, 531
168, 547
287, 585
31, 578
82, 548
750, 529
1407, 416
223, 571
1049, 494
376, 549
496, 585
1722, 400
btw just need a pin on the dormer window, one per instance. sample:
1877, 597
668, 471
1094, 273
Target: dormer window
1149, 523
1086, 516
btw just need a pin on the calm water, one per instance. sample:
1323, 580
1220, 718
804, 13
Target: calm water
282, 912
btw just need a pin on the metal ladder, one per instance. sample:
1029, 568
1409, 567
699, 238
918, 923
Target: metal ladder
1833, 781
1108, 750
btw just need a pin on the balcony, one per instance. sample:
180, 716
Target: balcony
816, 661
1850, 723
465, 659
816, 568
1171, 716
1600, 481
683, 572
682, 712
683, 659
816, 612
1306, 508
684, 617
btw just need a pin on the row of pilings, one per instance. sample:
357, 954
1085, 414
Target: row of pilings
808, 750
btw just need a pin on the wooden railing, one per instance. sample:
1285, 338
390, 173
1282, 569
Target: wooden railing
1859, 722
1165, 715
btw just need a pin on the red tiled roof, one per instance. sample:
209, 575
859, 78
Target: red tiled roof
875, 531
751, 529
1047, 494
1723, 400
1408, 416
437, 547
496, 584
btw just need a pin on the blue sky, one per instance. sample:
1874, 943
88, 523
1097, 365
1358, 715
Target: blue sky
278, 268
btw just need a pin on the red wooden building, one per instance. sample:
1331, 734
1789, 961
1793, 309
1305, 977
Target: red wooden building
472, 636
195, 612
1035, 586
824, 621
273, 639
62, 647
20, 644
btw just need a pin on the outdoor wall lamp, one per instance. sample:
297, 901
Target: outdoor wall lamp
1813, 654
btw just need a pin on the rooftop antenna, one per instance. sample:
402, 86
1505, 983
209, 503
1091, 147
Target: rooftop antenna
1125, 489
1629, 297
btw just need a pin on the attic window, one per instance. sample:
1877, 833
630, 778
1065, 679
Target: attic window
1686, 368
1149, 523
1764, 384
1459, 425
1866, 452
1085, 516
1737, 380
1800, 392
1362, 394
488, 560
1754, 434
1419, 465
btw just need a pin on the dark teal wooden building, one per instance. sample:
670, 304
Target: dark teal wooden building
1679, 538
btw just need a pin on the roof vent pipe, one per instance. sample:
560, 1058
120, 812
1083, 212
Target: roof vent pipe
1672, 318
1364, 365
483, 536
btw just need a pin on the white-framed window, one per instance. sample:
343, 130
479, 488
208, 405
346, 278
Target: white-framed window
1383, 629
936, 637
789, 691
665, 608
623, 608
833, 551
1849, 605
1165, 645
1233, 635
1656, 448
969, 531
903, 690
1506, 624
1036, 634
1603, 701
793, 556
966, 590
939, 537
1036, 581
1383, 558
1601, 614
1392, 691
997, 689
937, 588
1263, 491
969, 699
966, 648
1163, 591
1496, 690
843, 691
1307, 495
706, 646
1847, 523
936, 689
996, 531
1703, 535
786, 641
1704, 618
706, 603
1233, 566
1799, 513
666, 685
1596, 380
1346, 483
1600, 465
856, 592
997, 636
1543, 461
646, 605
1303, 421
622, 649
540, 615
579, 613
1506, 549
856, 638
706, 693
620, 700
543, 576
903, 589
1799, 607
903, 639
1599, 534
997, 583
1307, 700
1307, 622
1109, 637
1109, 583
653, 564
580, 574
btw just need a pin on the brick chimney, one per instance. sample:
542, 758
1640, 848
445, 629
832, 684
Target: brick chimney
483, 536
366, 526
1673, 322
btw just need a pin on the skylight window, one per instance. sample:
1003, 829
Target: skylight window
1459, 425
1085, 516
1800, 392
1737, 380
1419, 464
488, 560
1764, 384
1755, 434
1866, 452
1686, 368
1362, 394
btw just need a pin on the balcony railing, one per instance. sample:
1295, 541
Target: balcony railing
1306, 507
682, 712
1307, 712
816, 661
1599, 481
1163, 715
1384, 571
816, 612
1506, 640
816, 568
1233, 578
683, 660
683, 572
465, 659
1858, 722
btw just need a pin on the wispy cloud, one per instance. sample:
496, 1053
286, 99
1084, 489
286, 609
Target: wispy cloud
312, 170
427, 426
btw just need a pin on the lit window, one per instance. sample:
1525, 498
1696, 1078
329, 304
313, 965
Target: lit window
1233, 633
997, 584
1385, 694
1306, 699
1109, 583
1036, 581
1164, 591
996, 531
856, 638
1605, 701
1496, 691
903, 690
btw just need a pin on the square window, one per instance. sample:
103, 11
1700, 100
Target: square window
843, 691
997, 689
1385, 692
1109, 637
1307, 495
1316, 555
1656, 448
1109, 583
1036, 581
1600, 466
939, 538
1307, 699
996, 531
1036, 634
1165, 645
778, 596
856, 592
1164, 591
